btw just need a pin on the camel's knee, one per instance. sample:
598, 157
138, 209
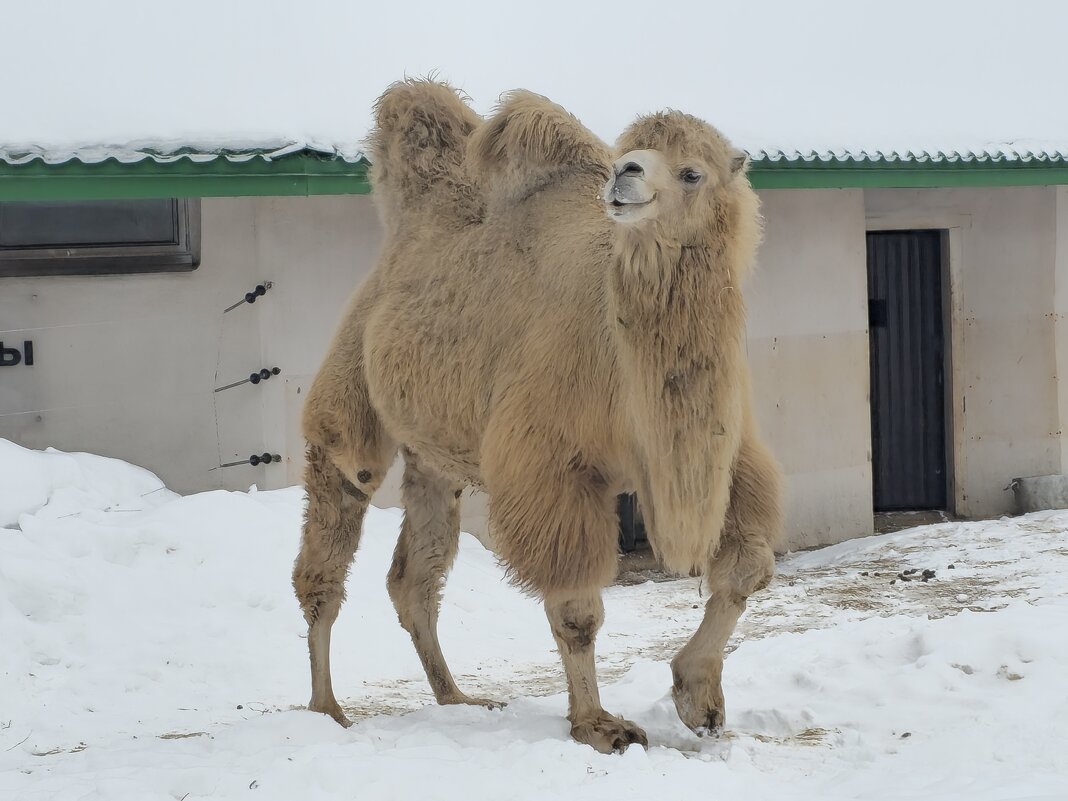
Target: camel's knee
575, 622
416, 578
320, 571
319, 576
398, 585
739, 569
420, 560
411, 586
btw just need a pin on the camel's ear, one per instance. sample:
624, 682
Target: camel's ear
739, 162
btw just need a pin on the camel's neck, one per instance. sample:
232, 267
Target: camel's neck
679, 326
675, 303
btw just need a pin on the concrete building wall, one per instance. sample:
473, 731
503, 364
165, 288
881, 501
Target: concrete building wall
1003, 361
127, 365
808, 351
1060, 317
315, 251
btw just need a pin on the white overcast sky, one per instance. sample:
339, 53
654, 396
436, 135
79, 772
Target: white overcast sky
892, 74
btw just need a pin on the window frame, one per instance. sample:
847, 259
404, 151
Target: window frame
182, 256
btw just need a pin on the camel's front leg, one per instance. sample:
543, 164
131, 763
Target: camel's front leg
574, 620
698, 668
743, 564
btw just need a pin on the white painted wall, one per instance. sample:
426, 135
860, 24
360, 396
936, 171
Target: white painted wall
126, 365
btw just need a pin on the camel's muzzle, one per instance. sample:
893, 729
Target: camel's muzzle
628, 190
623, 197
623, 191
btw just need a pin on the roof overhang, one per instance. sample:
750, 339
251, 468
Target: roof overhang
289, 172
308, 171
906, 172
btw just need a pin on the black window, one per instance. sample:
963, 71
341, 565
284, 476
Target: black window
97, 237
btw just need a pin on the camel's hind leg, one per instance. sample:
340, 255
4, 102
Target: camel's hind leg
333, 519
743, 564
425, 551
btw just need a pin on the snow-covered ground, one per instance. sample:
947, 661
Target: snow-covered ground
152, 649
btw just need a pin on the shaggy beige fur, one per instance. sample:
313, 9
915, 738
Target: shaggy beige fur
555, 326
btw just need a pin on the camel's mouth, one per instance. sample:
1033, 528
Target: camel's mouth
625, 197
628, 210
618, 207
619, 203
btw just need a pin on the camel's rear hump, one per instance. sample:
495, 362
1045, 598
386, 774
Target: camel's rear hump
417, 146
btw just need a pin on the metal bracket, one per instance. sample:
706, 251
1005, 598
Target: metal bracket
250, 297
254, 378
254, 460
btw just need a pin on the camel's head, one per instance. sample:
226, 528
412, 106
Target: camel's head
675, 170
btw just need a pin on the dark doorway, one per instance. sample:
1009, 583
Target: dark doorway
907, 341
631, 526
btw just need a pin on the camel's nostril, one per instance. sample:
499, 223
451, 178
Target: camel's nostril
632, 169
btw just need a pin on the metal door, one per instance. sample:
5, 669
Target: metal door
906, 337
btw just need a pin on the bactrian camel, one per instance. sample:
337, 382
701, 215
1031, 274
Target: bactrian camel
555, 323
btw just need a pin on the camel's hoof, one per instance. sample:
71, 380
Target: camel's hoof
699, 701
609, 734
702, 715
333, 710
460, 698
713, 725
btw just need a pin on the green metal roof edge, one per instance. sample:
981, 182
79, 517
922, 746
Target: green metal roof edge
905, 173
300, 173
312, 173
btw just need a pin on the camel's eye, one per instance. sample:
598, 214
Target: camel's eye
690, 176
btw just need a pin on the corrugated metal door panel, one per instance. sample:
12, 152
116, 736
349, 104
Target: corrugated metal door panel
907, 356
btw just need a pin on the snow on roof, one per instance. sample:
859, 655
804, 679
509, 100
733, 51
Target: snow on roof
814, 80
993, 152
166, 152
163, 152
